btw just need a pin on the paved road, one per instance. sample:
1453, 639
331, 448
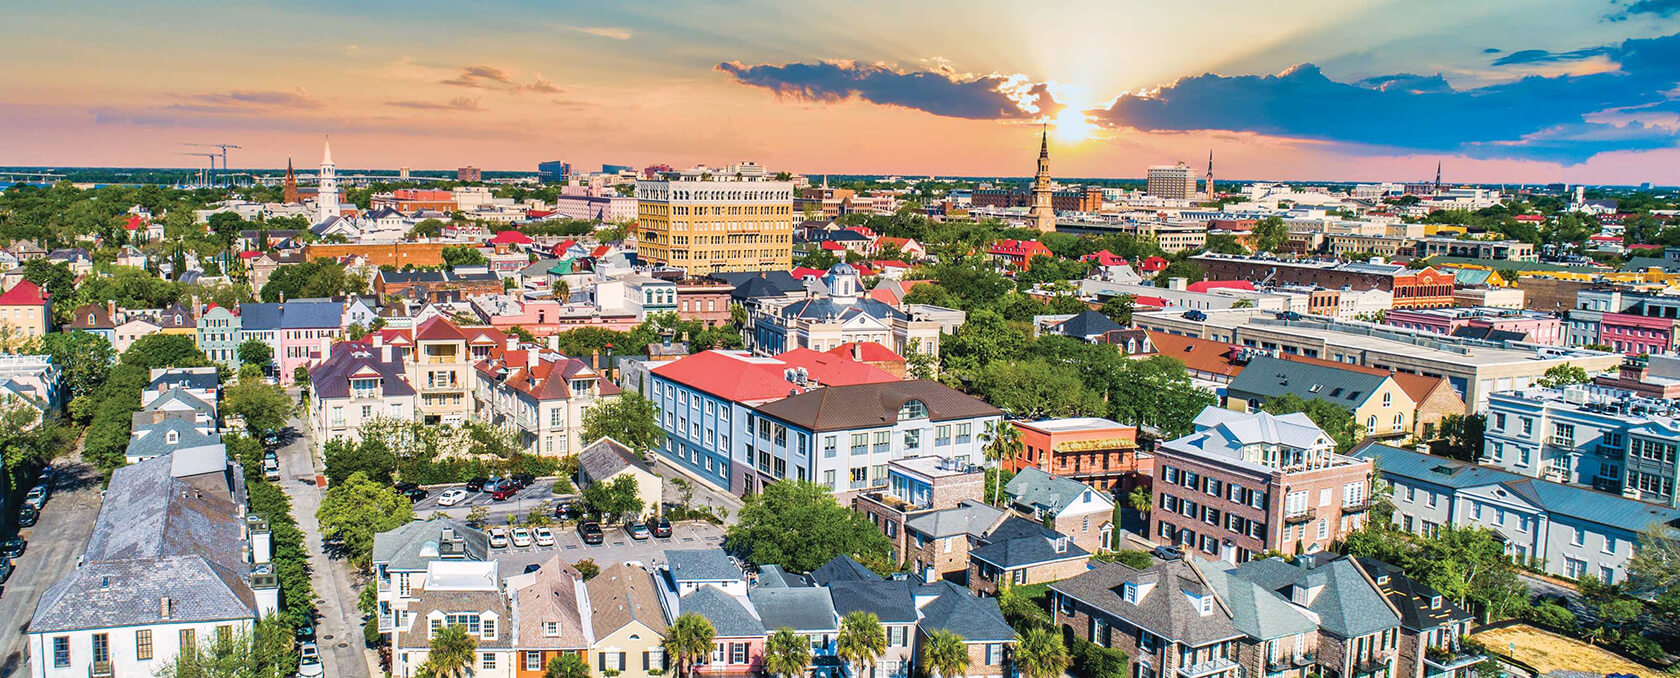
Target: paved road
56, 543
338, 631
617, 548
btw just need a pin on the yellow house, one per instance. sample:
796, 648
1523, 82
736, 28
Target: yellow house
629, 623
25, 315
1377, 401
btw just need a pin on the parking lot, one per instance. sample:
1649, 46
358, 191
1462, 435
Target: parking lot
531, 497
617, 548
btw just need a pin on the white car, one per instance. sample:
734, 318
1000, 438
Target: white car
498, 538
452, 497
544, 536
521, 537
309, 661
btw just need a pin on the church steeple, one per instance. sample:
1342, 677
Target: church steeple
1210, 177
291, 193
1043, 211
326, 198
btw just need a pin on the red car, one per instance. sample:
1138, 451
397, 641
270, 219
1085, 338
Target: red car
504, 491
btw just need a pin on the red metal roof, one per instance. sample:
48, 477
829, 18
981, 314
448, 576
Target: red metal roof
1152, 264
1206, 285
24, 293
1020, 248
438, 329
869, 351
510, 238
741, 377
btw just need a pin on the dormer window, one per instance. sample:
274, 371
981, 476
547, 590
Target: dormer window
913, 409
1207, 605
1129, 592
172, 437
1435, 603
1061, 544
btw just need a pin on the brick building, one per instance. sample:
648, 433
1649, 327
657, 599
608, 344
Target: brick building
1098, 452
1421, 288
1076, 199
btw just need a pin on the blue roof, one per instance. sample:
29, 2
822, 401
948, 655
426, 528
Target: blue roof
259, 316
311, 315
1564, 500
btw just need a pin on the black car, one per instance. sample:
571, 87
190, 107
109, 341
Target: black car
27, 516
415, 493
660, 527
477, 484
533, 567
5, 570
591, 532
566, 510
524, 480
13, 548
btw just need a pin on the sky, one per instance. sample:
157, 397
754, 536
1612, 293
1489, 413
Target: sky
1496, 91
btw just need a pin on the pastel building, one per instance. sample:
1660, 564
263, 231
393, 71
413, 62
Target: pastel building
219, 335
1529, 326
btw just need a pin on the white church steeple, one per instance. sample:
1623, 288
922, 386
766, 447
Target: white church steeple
326, 198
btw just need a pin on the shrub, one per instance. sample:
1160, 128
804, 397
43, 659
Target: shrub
1640, 647
587, 568
1094, 661
1137, 560
1552, 615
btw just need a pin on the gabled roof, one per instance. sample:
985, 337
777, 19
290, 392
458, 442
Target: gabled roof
348, 359
622, 594
873, 405
91, 317
729, 617
552, 596
742, 377
954, 609
1269, 377
1052, 494
701, 565
152, 441
1199, 355
606, 457
1086, 324
148, 513
122, 593
892, 601
412, 545
1417, 387
870, 352
438, 329
1421, 607
1018, 542
1347, 603
969, 517
24, 293
842, 568
805, 610
1163, 609
1255, 611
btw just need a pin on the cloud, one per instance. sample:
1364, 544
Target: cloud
540, 85
609, 32
238, 100
487, 77
1657, 8
1540, 117
942, 92
455, 104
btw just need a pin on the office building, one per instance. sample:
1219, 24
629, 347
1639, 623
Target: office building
1174, 182
554, 171
706, 223
469, 173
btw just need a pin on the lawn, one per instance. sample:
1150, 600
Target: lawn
1548, 651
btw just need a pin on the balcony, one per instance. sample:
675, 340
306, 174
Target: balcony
1560, 441
1442, 661
1306, 516
1370, 665
1282, 664
387, 623
100, 669
1360, 506
1207, 668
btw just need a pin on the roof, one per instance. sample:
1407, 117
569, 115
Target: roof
969, 517
91, 317
729, 618
356, 360
622, 594
1019, 248
149, 513
437, 328
892, 601
1417, 387
1199, 355
827, 309
1421, 607
701, 565
801, 609
1487, 334
1565, 500
412, 545
123, 593
869, 352
510, 238
1018, 542
1269, 377
153, 440
291, 315
750, 284
24, 293
1036, 489
1206, 285
1347, 603
1087, 324
954, 609
874, 405
742, 377
606, 457
842, 568
1255, 611
196, 379
552, 596
1163, 609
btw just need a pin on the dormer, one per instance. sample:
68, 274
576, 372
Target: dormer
1200, 601
1060, 544
1304, 595
1435, 603
172, 437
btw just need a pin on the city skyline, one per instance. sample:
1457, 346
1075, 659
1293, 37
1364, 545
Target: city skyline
1501, 92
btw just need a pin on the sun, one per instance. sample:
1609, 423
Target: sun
1072, 126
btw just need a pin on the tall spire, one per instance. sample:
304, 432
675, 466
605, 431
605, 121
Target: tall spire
1210, 176
1437, 176
326, 151
290, 195
1044, 140
1043, 210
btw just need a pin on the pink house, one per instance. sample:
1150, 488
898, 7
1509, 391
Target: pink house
1636, 334
1481, 323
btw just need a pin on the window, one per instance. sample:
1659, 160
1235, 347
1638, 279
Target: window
883, 441
101, 648
860, 443
942, 434
1579, 537
489, 661
913, 409
143, 644
859, 476
61, 652
551, 629
533, 661
737, 653
830, 446
964, 432
912, 439
189, 640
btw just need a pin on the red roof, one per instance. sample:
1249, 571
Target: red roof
510, 238
1152, 264
741, 377
438, 329
1206, 285
1150, 301
1535, 218
252, 254
538, 214
869, 352
135, 223
561, 247
831, 246
807, 271
1105, 258
394, 337
24, 293
864, 231
1020, 248
1645, 246
900, 243
600, 251
892, 263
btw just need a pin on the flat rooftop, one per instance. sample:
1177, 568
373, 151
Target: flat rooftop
1073, 424
931, 466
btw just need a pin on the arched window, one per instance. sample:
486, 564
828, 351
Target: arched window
913, 409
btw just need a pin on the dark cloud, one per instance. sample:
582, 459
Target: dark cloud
481, 76
1657, 8
1541, 117
1492, 50
938, 92
455, 104
239, 100
1540, 56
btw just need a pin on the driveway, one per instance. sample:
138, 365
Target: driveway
618, 547
56, 544
338, 631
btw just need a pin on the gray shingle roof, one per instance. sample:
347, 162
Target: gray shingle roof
1255, 611
331, 378
192, 379
729, 618
1416, 602
801, 609
842, 568
1086, 324
1347, 605
1268, 377
1019, 542
976, 620
179, 396
412, 545
1163, 610
147, 513
1035, 489
874, 405
131, 592
893, 601
605, 457
153, 440
700, 565
970, 517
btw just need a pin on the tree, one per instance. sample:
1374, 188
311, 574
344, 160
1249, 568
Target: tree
918, 363
1469, 564
1189, 270
427, 228
1336, 421
86, 359
615, 498
462, 255
786, 653
1119, 309
688, 641
862, 641
1654, 570
264, 407
1035, 389
945, 654
1269, 234
263, 652
630, 419
453, 652
356, 510
1140, 500
1461, 436
797, 524
256, 352
164, 350
1021, 608
567, 665
1039, 653
1224, 243
1566, 374
1003, 441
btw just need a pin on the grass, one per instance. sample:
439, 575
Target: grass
1549, 652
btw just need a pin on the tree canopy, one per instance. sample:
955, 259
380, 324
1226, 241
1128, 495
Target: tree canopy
798, 525
353, 511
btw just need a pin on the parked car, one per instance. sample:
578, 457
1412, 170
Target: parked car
521, 537
567, 510
524, 479
37, 496
504, 491
415, 493
660, 527
637, 530
5, 570
591, 533
544, 536
1168, 553
477, 484
27, 516
309, 660
13, 548
533, 567
452, 497
498, 538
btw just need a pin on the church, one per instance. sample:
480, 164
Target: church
839, 313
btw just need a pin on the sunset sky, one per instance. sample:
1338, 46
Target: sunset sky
1497, 90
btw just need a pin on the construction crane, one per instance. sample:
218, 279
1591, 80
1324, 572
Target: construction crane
209, 178
224, 148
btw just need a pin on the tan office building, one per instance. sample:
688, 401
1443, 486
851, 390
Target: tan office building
714, 221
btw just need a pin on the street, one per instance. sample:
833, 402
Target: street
64, 527
338, 630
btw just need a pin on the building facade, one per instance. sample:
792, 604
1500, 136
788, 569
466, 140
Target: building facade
705, 222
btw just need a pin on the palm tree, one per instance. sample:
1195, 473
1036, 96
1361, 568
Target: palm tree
945, 655
1003, 441
786, 654
1040, 654
452, 653
688, 640
567, 665
862, 640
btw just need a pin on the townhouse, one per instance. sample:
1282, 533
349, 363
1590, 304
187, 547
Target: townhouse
550, 617
32, 381
1099, 452
1568, 531
1022, 552
1376, 400
1358, 628
1246, 484
219, 333
918, 486
298, 332
894, 604
977, 621
455, 592
441, 369
1064, 505
95, 319
1168, 619
539, 394
25, 313
1432, 627
629, 623
840, 314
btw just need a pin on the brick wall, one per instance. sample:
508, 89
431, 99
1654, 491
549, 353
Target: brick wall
1036, 574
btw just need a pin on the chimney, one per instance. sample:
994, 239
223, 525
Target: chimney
166, 608
385, 353
1179, 284
111, 310
857, 351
